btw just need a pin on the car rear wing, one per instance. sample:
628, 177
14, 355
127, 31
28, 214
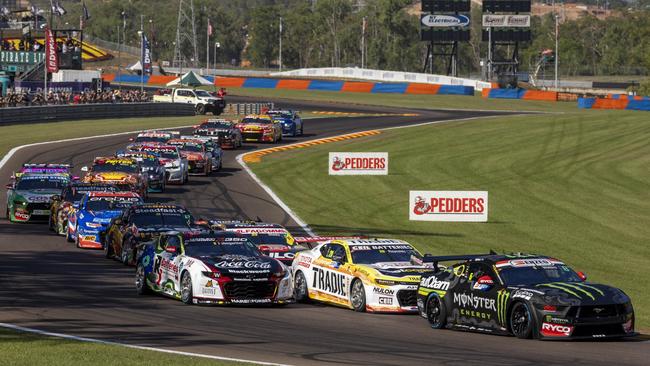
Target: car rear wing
320, 239
435, 259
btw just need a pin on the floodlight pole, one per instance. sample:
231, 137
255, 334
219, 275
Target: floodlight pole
557, 51
280, 53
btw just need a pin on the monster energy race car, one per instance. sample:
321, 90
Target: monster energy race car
524, 295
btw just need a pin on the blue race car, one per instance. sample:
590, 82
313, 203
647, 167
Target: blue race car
290, 120
87, 226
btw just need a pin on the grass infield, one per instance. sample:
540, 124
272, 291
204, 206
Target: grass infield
573, 186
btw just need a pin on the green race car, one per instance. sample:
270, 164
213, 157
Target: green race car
30, 195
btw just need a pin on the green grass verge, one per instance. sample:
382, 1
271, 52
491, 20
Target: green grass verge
574, 186
20, 348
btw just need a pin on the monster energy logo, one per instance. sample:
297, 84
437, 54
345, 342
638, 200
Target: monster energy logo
576, 289
502, 305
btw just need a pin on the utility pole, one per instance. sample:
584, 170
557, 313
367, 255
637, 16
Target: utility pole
216, 47
141, 34
207, 47
557, 51
363, 42
280, 54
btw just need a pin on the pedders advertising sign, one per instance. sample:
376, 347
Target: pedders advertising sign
362, 163
460, 206
51, 57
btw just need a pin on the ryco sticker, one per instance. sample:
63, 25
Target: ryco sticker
348, 163
462, 206
556, 330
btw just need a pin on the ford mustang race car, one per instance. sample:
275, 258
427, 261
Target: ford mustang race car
198, 158
290, 120
524, 295
44, 169
212, 149
260, 128
222, 131
176, 167
63, 205
125, 173
375, 275
152, 168
271, 239
211, 267
29, 197
141, 223
151, 138
87, 225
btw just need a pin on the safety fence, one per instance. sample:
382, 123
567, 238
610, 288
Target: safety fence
304, 84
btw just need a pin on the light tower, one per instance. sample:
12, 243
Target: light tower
185, 38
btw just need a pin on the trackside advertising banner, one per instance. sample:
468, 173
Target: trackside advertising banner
460, 206
363, 163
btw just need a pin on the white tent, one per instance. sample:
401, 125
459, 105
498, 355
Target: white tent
190, 79
135, 67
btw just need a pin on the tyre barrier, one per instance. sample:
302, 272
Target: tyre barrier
247, 108
55, 113
525, 94
611, 103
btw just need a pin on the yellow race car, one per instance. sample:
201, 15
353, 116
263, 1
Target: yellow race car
375, 275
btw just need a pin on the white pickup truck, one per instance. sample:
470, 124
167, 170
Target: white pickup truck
202, 100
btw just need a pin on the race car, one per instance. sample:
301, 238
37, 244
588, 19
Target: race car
212, 149
523, 295
125, 173
140, 223
211, 268
151, 138
260, 128
198, 158
29, 196
271, 239
176, 167
87, 225
291, 122
152, 168
44, 169
374, 275
222, 131
63, 205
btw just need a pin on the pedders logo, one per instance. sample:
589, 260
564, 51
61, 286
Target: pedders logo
556, 330
464, 206
342, 163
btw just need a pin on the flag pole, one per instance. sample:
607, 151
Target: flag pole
207, 48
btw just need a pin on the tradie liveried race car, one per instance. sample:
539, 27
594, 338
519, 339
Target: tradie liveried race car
213, 268
198, 158
375, 275
87, 225
212, 148
291, 122
222, 131
271, 239
260, 128
524, 295
29, 196
152, 168
124, 173
140, 223
176, 167
63, 205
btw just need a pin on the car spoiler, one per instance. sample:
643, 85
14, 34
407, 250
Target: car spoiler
435, 259
318, 239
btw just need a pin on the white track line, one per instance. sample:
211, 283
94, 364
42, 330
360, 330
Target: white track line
154, 349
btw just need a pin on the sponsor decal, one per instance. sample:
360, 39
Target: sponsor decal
364, 163
502, 305
475, 314
169, 267
21, 216
304, 262
439, 20
282, 255
434, 283
385, 300
510, 20
556, 330
328, 281
244, 264
551, 319
250, 301
473, 301
577, 289
51, 55
522, 294
383, 291
461, 206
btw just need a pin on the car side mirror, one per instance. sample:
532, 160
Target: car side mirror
75, 205
55, 197
483, 283
131, 139
84, 169
582, 276
9, 186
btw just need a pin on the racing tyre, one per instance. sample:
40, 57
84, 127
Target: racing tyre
108, 248
50, 225
300, 290
521, 321
358, 296
68, 238
436, 312
200, 109
141, 280
76, 241
186, 288
302, 130
124, 255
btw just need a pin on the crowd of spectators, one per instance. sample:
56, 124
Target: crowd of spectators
30, 44
61, 98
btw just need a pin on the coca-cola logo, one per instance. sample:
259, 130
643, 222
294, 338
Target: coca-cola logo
244, 264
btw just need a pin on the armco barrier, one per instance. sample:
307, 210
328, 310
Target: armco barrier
56, 113
610, 103
520, 94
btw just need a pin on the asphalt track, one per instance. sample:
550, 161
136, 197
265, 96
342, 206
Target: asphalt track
46, 283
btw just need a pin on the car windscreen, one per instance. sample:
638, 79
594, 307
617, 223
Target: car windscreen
217, 125
260, 239
110, 203
143, 218
370, 254
533, 275
192, 147
202, 94
109, 167
282, 115
262, 121
25, 184
150, 163
161, 140
220, 246
168, 154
